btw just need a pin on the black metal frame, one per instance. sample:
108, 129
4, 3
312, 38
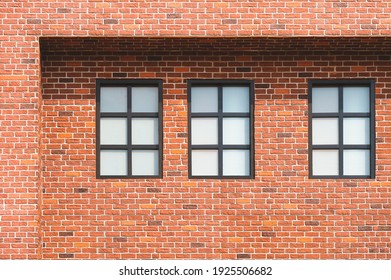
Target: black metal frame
129, 115
220, 115
340, 115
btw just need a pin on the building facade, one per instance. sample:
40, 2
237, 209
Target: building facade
195, 129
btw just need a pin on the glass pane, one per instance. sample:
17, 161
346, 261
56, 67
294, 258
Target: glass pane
325, 100
236, 163
356, 131
145, 131
113, 131
145, 163
325, 163
113, 99
204, 163
236, 99
204, 99
325, 131
356, 162
204, 131
145, 99
356, 99
236, 131
113, 163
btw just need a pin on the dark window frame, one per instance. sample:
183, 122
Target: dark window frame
220, 115
129, 84
341, 115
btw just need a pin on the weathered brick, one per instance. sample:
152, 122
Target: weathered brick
243, 256
65, 233
66, 256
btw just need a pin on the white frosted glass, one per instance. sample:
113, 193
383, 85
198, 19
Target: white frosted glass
145, 99
204, 131
356, 99
356, 162
113, 131
113, 99
204, 99
356, 131
113, 162
325, 162
324, 99
145, 163
236, 131
324, 131
145, 131
204, 163
236, 99
236, 163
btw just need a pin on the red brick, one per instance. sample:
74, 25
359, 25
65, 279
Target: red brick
53, 207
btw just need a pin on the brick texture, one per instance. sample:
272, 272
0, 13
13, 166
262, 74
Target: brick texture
278, 215
51, 205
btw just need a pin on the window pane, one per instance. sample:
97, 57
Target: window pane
145, 131
325, 100
236, 163
145, 163
204, 131
236, 131
356, 162
236, 99
113, 163
356, 131
325, 162
113, 131
113, 99
325, 131
356, 99
145, 99
204, 163
204, 99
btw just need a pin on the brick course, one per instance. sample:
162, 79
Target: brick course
51, 205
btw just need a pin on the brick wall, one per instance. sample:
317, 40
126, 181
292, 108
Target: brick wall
279, 214
29, 152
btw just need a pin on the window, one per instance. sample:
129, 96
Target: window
129, 128
342, 130
221, 129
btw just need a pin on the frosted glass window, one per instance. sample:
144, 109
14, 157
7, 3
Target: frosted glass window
204, 99
325, 162
204, 131
325, 100
356, 99
113, 99
204, 163
236, 131
356, 131
236, 163
145, 131
324, 131
236, 99
145, 99
113, 163
145, 163
113, 131
356, 162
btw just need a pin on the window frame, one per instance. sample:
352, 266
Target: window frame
220, 115
129, 84
340, 115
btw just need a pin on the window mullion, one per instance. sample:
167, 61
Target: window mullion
340, 130
220, 131
129, 116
